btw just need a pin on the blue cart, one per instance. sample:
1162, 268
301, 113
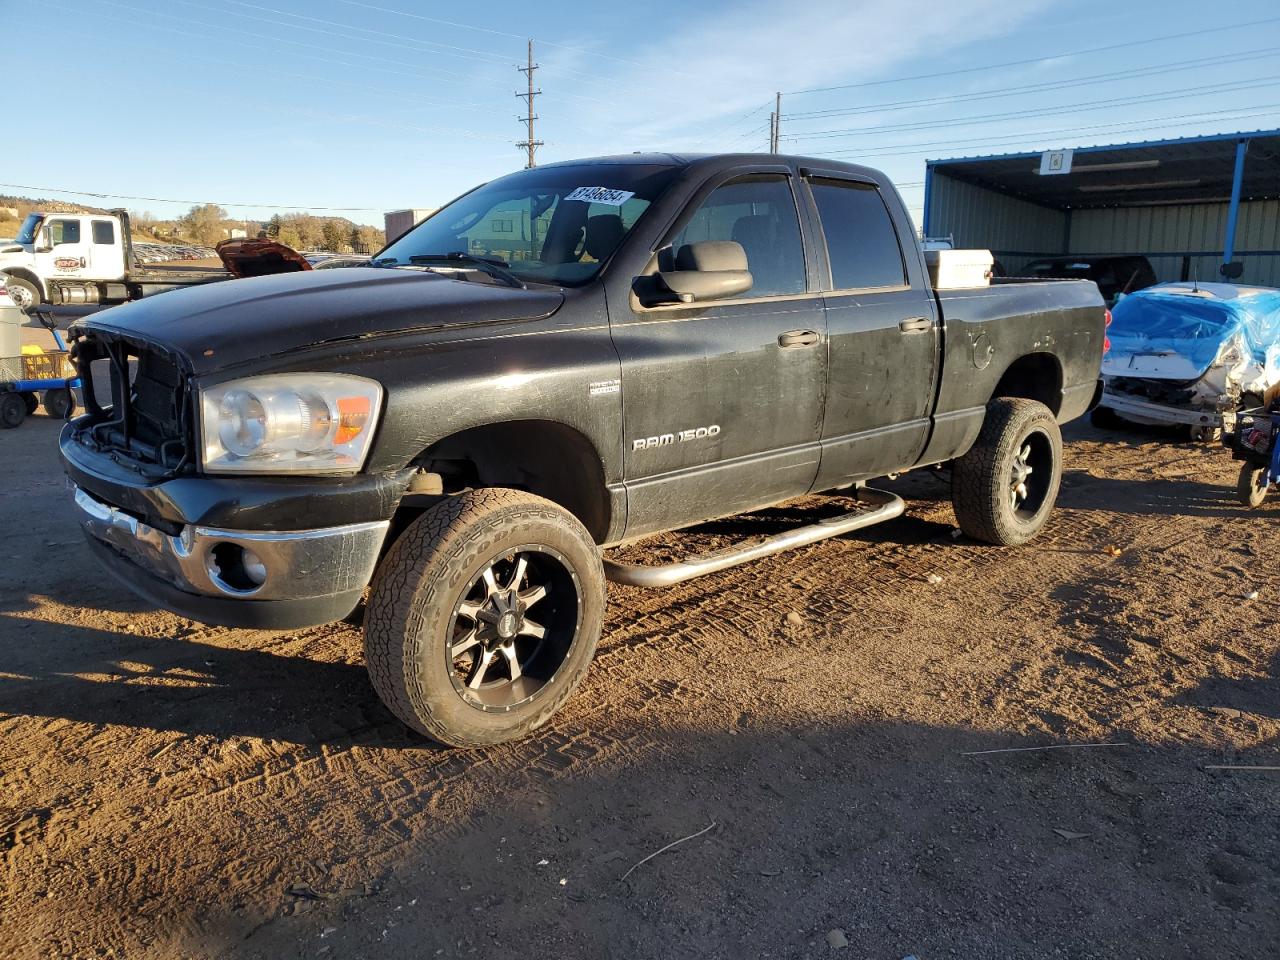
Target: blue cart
29, 380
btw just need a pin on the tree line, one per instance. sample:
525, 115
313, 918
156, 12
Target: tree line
208, 223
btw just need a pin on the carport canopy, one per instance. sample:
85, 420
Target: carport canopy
1223, 168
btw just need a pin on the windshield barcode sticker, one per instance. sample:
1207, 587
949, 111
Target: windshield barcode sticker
605, 195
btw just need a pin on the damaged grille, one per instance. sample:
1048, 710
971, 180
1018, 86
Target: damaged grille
138, 401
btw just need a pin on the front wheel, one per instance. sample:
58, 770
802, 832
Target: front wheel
1251, 487
23, 293
484, 616
1004, 488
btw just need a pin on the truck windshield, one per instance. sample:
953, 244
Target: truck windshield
30, 227
549, 225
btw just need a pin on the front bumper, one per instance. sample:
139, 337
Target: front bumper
268, 579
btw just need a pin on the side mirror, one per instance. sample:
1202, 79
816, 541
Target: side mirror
44, 244
710, 270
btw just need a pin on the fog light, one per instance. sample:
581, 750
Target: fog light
235, 569
254, 568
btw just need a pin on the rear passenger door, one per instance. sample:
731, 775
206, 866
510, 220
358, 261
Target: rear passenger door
883, 329
722, 401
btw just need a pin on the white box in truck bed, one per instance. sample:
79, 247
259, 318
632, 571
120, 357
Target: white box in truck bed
959, 269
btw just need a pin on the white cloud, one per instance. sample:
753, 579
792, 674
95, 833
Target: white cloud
703, 67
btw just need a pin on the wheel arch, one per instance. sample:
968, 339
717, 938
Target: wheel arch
547, 458
23, 273
1033, 376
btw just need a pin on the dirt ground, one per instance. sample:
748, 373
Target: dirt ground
169, 789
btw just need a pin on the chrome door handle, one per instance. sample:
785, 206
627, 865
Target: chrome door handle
916, 325
798, 338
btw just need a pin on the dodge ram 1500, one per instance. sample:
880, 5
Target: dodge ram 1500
560, 360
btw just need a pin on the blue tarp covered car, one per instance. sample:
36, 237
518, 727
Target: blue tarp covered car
1194, 354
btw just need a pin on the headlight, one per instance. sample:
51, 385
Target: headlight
289, 423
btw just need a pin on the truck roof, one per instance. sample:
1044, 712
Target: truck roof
721, 160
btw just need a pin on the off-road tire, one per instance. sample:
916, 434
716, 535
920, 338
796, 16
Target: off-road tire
59, 403
1251, 486
29, 295
413, 600
13, 410
980, 486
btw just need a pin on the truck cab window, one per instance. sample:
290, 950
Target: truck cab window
104, 232
760, 214
64, 231
861, 241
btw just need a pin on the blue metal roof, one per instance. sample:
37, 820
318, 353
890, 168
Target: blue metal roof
1131, 145
1181, 170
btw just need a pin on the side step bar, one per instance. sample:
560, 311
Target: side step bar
890, 505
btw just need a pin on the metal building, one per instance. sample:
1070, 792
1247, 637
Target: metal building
1189, 205
400, 222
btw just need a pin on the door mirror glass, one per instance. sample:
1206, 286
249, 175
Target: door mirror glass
708, 270
43, 243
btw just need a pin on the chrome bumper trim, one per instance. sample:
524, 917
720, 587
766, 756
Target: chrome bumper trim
300, 564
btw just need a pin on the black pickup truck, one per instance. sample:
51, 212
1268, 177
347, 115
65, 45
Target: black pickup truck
561, 360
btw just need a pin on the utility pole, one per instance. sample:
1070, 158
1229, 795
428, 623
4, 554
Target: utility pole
529, 144
776, 129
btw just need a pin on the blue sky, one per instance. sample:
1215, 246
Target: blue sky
384, 104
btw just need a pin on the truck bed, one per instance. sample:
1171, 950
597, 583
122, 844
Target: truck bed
179, 271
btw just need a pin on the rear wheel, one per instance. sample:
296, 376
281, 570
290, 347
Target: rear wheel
1004, 488
13, 410
484, 616
1251, 487
59, 403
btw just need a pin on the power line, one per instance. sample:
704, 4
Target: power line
730, 125
484, 56
500, 33
220, 203
266, 36
452, 77
404, 43
530, 144
1040, 111
1117, 129
995, 93
1019, 63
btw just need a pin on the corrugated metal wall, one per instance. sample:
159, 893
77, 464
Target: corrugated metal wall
1196, 228
1014, 230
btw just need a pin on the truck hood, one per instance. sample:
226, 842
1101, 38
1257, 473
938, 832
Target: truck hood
221, 324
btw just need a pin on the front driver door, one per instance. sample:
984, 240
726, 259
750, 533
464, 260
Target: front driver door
722, 401
70, 256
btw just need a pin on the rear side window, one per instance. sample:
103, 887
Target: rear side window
760, 214
64, 231
104, 231
861, 241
